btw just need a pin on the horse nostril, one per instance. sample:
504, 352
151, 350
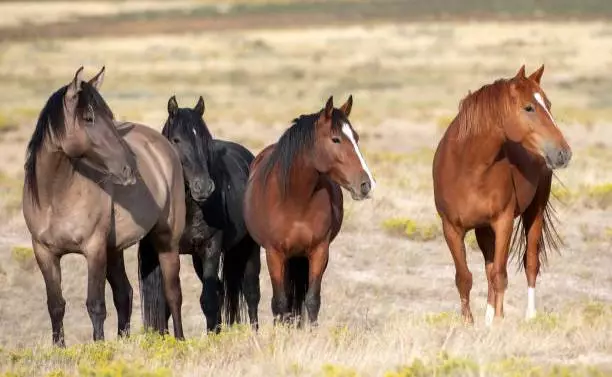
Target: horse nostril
127, 171
211, 187
365, 187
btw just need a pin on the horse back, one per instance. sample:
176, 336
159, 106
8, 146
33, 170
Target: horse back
230, 169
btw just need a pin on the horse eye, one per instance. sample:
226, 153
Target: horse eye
336, 139
529, 108
175, 140
88, 118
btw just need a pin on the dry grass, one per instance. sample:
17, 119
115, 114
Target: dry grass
389, 303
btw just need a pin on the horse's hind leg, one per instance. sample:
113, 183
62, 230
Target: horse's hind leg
96, 302
463, 277
122, 290
169, 262
486, 241
250, 281
49, 265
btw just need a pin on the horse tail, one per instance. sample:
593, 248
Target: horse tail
233, 266
550, 239
155, 311
297, 274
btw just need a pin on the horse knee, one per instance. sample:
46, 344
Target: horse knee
500, 280
463, 281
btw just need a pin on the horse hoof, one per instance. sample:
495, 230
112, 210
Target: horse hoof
489, 315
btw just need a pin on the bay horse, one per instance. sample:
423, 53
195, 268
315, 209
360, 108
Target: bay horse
95, 188
494, 163
293, 205
215, 173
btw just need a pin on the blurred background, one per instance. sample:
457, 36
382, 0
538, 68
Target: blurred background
259, 64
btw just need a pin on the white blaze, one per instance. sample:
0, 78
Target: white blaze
489, 314
538, 97
346, 129
531, 310
194, 131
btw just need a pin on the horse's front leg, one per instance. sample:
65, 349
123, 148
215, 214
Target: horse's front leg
210, 256
317, 263
502, 227
96, 280
533, 222
277, 264
49, 264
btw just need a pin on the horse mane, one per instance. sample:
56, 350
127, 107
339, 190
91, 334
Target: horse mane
483, 109
300, 136
51, 121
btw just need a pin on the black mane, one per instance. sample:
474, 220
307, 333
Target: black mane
296, 139
51, 121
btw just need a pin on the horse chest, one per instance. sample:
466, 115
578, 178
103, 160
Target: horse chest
74, 227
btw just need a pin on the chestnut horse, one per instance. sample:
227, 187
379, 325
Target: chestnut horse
495, 163
293, 204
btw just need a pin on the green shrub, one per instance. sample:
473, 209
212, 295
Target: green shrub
122, 369
411, 229
24, 256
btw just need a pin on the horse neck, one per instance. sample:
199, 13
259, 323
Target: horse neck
303, 180
479, 149
55, 173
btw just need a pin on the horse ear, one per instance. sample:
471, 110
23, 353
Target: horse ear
521, 73
329, 107
199, 107
348, 105
172, 106
537, 75
75, 86
98, 79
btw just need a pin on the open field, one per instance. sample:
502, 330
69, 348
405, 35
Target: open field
390, 306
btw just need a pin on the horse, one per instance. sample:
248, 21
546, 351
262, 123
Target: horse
494, 163
216, 173
95, 187
293, 204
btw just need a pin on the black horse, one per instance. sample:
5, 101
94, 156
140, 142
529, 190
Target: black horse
216, 174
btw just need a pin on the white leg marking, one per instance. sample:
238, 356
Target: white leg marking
538, 97
531, 309
489, 314
346, 129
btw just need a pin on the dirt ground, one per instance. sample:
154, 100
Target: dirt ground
391, 296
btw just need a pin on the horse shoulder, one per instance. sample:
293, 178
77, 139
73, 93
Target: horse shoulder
158, 191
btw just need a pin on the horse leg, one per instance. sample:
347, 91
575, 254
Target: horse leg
502, 228
210, 297
170, 264
277, 262
317, 263
486, 241
463, 277
122, 291
250, 282
533, 222
49, 265
96, 302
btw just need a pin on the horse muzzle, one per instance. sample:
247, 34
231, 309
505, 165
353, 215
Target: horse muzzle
555, 157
